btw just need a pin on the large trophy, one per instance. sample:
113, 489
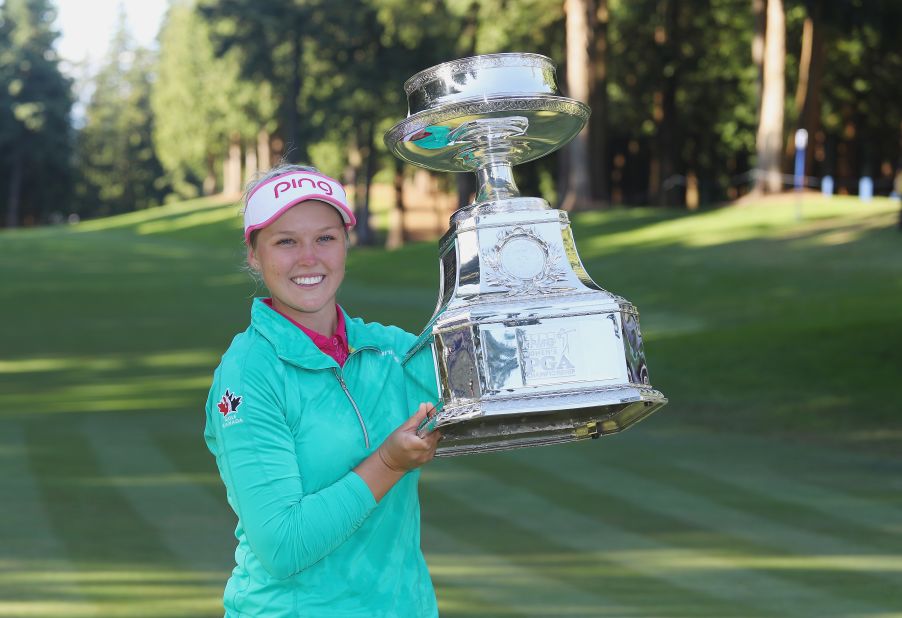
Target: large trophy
528, 349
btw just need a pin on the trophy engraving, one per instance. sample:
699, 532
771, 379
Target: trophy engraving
528, 349
524, 263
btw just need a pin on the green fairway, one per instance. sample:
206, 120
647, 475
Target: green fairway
770, 486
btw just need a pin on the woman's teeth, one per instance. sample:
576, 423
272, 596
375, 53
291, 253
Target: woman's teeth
308, 280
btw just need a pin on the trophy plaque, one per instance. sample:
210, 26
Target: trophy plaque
528, 349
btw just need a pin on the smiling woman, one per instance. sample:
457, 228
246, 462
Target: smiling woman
308, 419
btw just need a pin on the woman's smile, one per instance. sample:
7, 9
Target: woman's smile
308, 280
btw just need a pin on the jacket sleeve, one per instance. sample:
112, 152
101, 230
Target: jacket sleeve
287, 528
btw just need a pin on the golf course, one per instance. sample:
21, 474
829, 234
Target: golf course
769, 487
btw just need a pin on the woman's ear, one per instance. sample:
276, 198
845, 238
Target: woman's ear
252, 259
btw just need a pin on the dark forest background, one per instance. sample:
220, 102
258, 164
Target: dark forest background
694, 102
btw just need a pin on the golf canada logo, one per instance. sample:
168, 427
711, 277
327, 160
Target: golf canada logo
228, 405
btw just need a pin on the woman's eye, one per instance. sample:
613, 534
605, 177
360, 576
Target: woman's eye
285, 241
326, 238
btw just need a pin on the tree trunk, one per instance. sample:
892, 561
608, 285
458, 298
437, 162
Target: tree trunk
231, 173
663, 169
769, 139
264, 152
14, 201
847, 155
466, 183
759, 17
665, 106
598, 97
295, 151
578, 191
808, 90
363, 175
250, 163
210, 179
397, 234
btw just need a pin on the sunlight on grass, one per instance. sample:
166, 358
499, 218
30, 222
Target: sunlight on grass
183, 358
229, 280
194, 219
153, 480
28, 591
680, 561
748, 222
151, 214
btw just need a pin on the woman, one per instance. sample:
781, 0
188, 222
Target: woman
308, 420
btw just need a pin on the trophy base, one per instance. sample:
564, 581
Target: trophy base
502, 432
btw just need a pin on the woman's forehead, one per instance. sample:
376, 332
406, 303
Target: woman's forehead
311, 214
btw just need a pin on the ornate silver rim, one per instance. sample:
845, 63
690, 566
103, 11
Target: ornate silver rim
482, 106
488, 61
469, 411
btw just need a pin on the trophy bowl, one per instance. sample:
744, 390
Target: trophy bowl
528, 349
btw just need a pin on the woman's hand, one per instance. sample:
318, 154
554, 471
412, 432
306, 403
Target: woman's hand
402, 451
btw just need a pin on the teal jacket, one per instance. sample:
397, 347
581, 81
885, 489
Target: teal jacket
287, 426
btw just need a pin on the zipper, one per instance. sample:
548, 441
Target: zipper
344, 387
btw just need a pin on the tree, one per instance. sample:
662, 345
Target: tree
769, 139
861, 120
35, 100
270, 39
579, 83
118, 167
201, 102
598, 101
811, 65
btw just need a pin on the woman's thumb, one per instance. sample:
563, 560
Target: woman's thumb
420, 415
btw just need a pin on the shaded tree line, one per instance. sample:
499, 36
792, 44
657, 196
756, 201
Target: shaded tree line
693, 102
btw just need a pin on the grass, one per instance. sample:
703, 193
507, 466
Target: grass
769, 486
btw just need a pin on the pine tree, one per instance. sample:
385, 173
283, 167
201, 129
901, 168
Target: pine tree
35, 100
117, 164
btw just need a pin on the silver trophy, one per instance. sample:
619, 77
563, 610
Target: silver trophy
529, 350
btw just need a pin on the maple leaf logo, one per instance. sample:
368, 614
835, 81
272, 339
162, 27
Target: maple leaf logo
229, 403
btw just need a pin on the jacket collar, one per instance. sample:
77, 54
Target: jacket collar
293, 346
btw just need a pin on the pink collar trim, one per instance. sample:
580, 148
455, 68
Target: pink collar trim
336, 346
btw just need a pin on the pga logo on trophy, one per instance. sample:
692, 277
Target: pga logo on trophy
528, 349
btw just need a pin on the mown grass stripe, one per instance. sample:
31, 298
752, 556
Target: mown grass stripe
690, 477
195, 531
471, 582
26, 531
729, 470
852, 576
703, 508
29, 546
673, 438
189, 455
84, 509
832, 503
710, 575
553, 548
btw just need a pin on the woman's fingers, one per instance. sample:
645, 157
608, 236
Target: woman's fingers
422, 412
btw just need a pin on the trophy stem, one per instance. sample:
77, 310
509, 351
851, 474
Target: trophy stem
496, 182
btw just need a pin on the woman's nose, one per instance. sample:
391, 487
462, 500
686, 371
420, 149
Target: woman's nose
307, 254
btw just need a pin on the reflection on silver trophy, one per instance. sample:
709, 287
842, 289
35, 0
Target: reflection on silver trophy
528, 349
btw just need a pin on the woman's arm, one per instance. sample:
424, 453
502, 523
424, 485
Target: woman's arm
287, 527
402, 451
